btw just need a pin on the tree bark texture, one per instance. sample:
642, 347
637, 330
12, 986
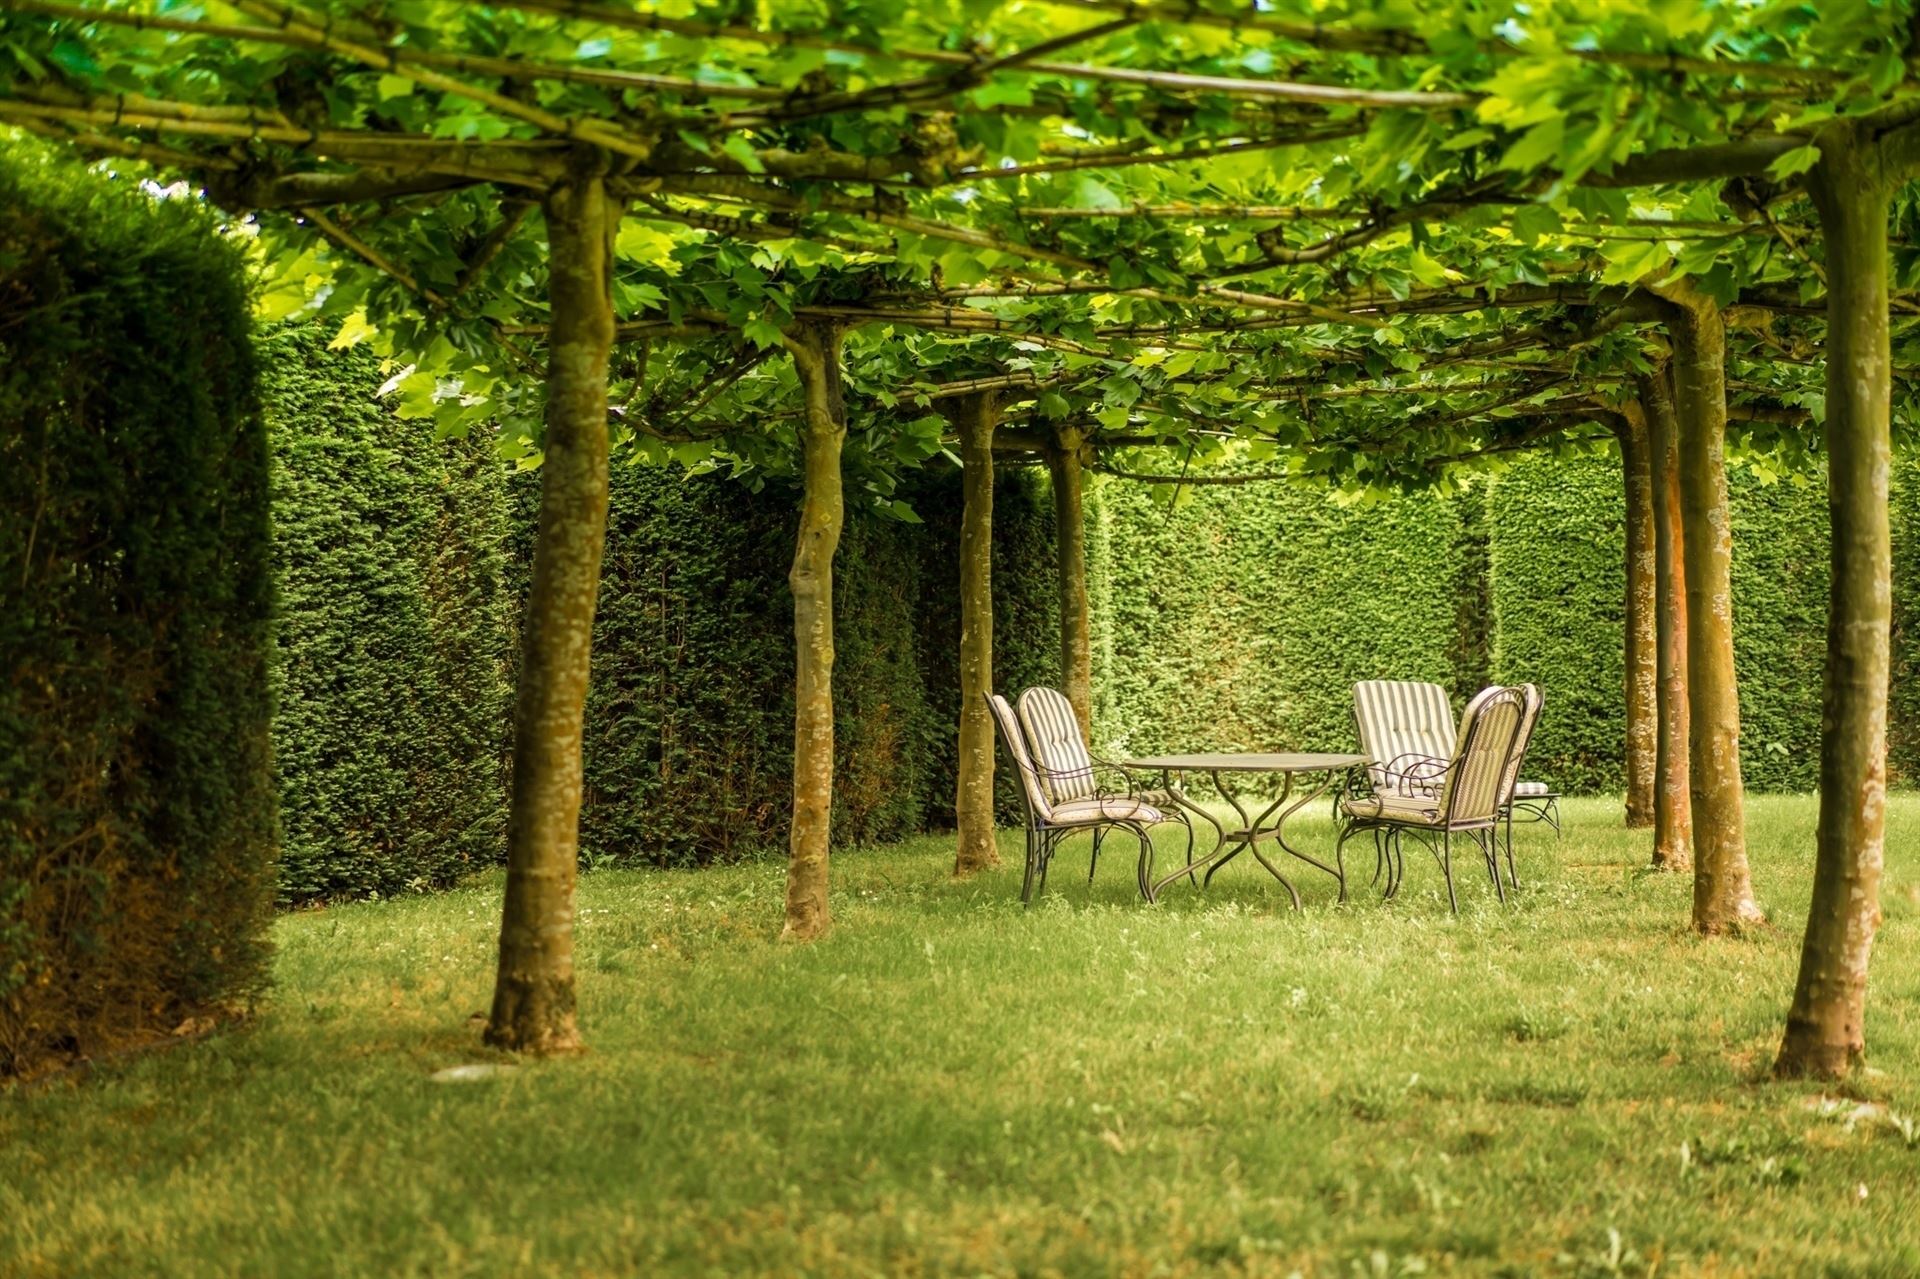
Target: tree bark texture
1642, 642
1722, 887
1070, 535
816, 358
533, 999
1826, 1033
1672, 805
974, 417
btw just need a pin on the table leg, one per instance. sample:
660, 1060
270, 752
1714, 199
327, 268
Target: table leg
1152, 891
1278, 833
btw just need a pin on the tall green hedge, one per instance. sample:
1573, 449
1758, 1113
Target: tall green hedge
1557, 568
389, 548
1026, 616
690, 709
1558, 579
137, 824
1242, 618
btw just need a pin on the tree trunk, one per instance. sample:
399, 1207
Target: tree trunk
1070, 534
974, 416
816, 358
1642, 643
1825, 1029
1672, 806
1722, 887
533, 996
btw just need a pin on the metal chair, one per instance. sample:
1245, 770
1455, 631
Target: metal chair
1069, 771
1400, 720
1048, 823
1433, 799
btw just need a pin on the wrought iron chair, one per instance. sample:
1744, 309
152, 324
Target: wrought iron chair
1433, 799
1049, 823
1510, 783
1069, 772
1398, 719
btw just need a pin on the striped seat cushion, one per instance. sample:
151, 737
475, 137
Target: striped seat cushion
1532, 790
1419, 810
1076, 811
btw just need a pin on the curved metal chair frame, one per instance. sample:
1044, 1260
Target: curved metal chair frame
1543, 806
1495, 723
1070, 779
1046, 829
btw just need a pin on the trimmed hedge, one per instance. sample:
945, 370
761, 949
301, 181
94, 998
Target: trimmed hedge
1559, 585
137, 823
1241, 619
1026, 617
690, 709
1557, 566
391, 694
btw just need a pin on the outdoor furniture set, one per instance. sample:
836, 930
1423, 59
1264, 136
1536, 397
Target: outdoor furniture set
1419, 775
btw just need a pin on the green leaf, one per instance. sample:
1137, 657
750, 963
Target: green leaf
742, 150
1091, 193
1002, 93
762, 332
395, 86
1536, 146
1793, 163
71, 56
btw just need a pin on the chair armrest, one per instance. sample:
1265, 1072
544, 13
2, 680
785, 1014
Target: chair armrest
1416, 775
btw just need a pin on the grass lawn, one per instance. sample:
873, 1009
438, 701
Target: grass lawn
953, 1085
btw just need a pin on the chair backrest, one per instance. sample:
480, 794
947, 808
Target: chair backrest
1039, 811
1401, 717
1066, 767
1489, 734
1529, 720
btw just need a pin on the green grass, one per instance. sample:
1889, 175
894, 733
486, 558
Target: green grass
952, 1085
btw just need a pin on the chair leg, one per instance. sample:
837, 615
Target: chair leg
1188, 823
1513, 875
1145, 869
1094, 861
1046, 858
1379, 855
1033, 859
1489, 841
1446, 870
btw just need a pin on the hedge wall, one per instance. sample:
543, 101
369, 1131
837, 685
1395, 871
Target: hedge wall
137, 823
1557, 568
1559, 585
1241, 619
1026, 616
390, 720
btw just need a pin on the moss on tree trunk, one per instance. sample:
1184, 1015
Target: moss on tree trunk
1672, 805
816, 358
1070, 531
533, 1001
973, 416
1642, 642
1722, 886
1826, 1032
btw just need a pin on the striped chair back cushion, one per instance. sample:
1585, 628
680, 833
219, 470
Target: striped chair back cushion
1532, 700
1038, 809
1489, 732
1401, 717
1066, 769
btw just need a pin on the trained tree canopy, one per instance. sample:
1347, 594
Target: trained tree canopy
1366, 243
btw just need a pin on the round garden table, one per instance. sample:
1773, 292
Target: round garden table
1320, 773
